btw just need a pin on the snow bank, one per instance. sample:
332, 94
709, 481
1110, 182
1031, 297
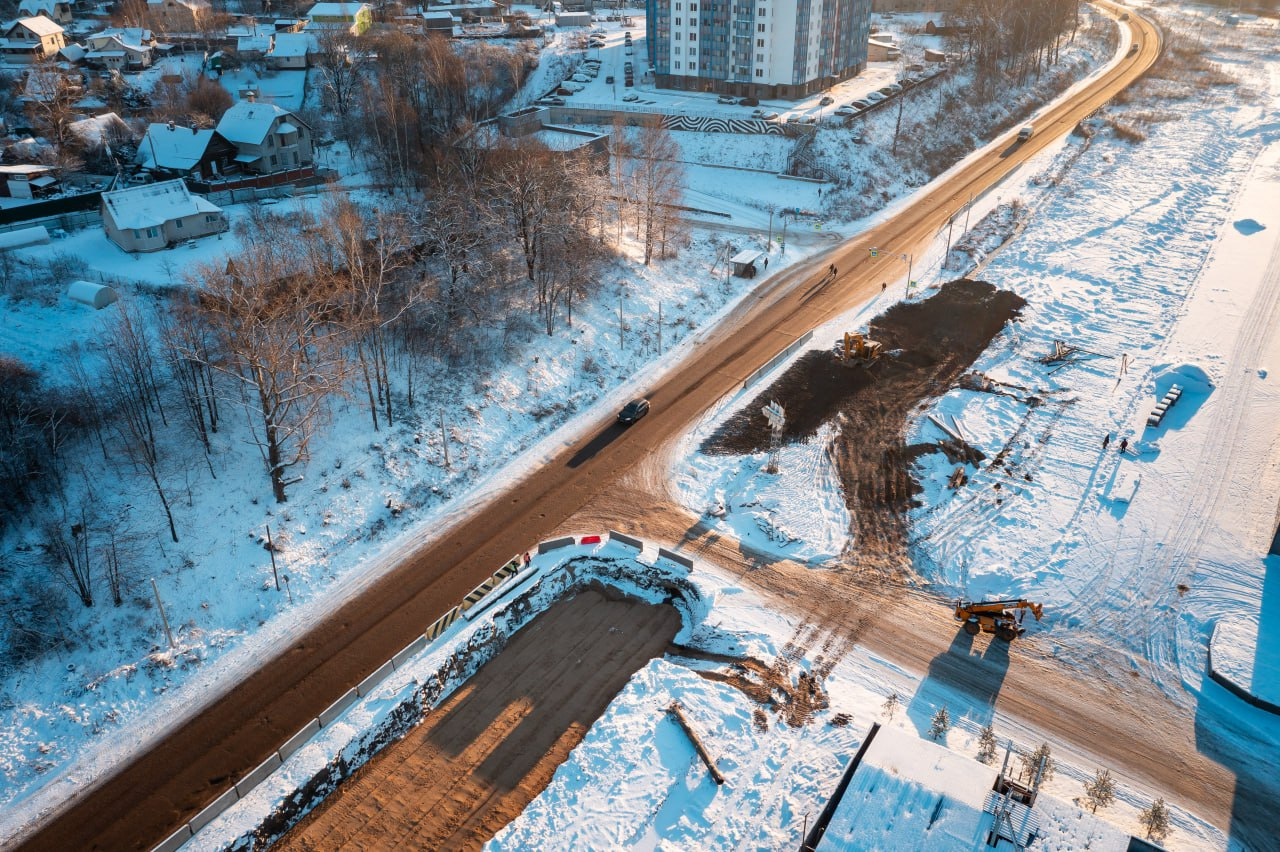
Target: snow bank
1246, 660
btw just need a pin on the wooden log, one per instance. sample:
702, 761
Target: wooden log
675, 711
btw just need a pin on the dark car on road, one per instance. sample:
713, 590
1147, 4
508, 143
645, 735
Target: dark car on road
751, 102
633, 411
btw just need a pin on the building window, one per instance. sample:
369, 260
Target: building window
677, 22
692, 52
295, 158
137, 235
677, 36
759, 28
677, 7
676, 51
152, 233
210, 217
762, 11
677, 66
693, 36
273, 159
759, 42
759, 72
177, 223
759, 57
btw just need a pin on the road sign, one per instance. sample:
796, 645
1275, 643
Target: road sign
776, 416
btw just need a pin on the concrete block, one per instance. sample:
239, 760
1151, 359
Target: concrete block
409, 651
214, 810
555, 544
175, 840
663, 553
366, 686
299, 739
626, 539
334, 710
258, 775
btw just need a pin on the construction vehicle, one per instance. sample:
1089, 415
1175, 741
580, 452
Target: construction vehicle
857, 349
1003, 618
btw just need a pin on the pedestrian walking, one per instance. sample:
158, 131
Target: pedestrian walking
884, 285
1106, 440
1124, 445
766, 263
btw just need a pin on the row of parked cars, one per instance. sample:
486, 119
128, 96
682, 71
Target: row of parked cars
863, 104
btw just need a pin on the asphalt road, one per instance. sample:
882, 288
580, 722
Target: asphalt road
151, 796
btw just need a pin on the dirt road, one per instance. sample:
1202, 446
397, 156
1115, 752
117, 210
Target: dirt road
152, 795
485, 753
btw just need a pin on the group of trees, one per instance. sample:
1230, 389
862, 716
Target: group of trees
1010, 38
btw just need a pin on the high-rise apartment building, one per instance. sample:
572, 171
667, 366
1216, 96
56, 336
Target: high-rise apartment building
761, 48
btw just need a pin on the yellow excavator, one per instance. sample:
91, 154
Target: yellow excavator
858, 349
1003, 618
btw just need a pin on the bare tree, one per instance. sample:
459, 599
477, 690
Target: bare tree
657, 178
52, 95
271, 317
188, 346
66, 543
338, 66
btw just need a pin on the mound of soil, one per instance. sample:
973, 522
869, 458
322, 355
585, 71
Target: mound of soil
929, 345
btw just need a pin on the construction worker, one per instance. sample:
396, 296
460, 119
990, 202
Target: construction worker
884, 285
1106, 440
1124, 445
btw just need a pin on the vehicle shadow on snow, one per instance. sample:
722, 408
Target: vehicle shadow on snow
967, 678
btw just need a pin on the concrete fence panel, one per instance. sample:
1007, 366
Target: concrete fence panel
409, 651
626, 539
258, 775
299, 739
214, 810
367, 685
334, 710
675, 557
174, 841
555, 543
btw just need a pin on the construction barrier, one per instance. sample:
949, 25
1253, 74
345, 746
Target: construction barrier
174, 841
626, 539
548, 546
367, 685
258, 775
409, 651
442, 624
213, 810
776, 360
589, 539
336, 709
299, 739
663, 553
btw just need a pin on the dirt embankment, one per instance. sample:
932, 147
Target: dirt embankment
929, 344
491, 747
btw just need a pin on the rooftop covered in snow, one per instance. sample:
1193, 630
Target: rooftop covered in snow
152, 205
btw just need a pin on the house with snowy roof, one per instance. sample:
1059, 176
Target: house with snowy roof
158, 215
55, 10
290, 51
168, 150
120, 49
29, 40
268, 138
356, 17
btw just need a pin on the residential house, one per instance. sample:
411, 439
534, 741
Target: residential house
168, 150
55, 10
27, 181
177, 16
440, 22
158, 215
290, 51
255, 45
356, 17
268, 138
29, 40
121, 49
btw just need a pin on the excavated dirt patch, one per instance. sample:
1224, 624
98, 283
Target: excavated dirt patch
929, 344
476, 760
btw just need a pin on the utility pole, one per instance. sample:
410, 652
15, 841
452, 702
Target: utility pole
444, 441
659, 328
946, 257
622, 343
782, 249
164, 619
967, 210
770, 241
271, 549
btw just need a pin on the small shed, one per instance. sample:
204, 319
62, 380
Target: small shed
96, 296
573, 19
744, 263
37, 235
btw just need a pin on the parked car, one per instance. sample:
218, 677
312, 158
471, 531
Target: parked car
809, 119
827, 100
1134, 48
757, 113
859, 105
875, 97
631, 97
633, 411
551, 101
891, 89
769, 116
793, 119
725, 99
751, 102
609, 79
1025, 133
580, 78
845, 112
